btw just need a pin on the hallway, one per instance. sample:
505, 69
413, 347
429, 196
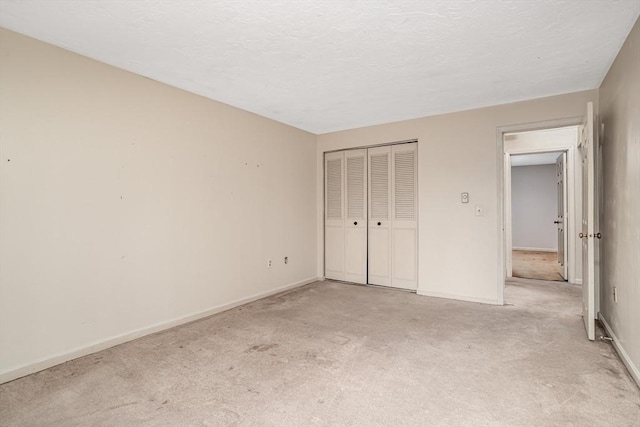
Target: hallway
536, 265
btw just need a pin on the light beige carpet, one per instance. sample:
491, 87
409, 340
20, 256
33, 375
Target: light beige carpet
536, 265
331, 355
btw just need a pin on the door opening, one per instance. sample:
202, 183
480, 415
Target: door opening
581, 221
538, 211
542, 200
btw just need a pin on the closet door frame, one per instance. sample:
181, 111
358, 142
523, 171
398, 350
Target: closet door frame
401, 282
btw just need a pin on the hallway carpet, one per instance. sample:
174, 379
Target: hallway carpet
536, 265
332, 354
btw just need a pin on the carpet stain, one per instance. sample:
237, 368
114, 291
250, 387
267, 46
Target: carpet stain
261, 348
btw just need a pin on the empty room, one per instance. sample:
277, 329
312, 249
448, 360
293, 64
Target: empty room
314, 213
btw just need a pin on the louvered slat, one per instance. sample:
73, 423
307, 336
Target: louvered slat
379, 186
355, 187
334, 189
404, 189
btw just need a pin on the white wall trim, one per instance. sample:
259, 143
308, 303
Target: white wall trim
456, 297
56, 359
518, 248
633, 370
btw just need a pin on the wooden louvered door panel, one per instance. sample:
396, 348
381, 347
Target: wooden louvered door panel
404, 216
379, 215
355, 228
371, 213
334, 217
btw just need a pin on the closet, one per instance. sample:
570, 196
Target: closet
371, 234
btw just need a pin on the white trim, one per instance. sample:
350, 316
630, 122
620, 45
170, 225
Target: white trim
508, 221
457, 297
503, 163
366, 147
515, 147
534, 249
500, 225
56, 359
633, 369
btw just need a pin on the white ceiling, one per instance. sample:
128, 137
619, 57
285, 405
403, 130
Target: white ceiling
324, 66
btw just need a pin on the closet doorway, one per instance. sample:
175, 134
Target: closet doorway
371, 215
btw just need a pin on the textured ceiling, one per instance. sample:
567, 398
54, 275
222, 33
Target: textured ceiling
331, 65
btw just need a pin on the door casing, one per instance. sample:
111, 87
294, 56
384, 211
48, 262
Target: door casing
513, 148
563, 214
504, 186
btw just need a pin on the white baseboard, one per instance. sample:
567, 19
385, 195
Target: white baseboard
456, 297
534, 249
633, 370
56, 359
577, 282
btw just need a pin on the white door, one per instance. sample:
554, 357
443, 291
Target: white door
404, 215
380, 215
393, 212
562, 214
334, 218
588, 218
355, 252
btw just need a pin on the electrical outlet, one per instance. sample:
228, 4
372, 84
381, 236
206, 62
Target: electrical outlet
464, 197
269, 263
615, 294
286, 260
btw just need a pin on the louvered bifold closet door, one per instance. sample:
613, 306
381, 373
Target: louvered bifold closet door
356, 218
379, 215
334, 216
404, 234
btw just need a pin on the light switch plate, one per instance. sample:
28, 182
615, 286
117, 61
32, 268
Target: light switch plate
479, 210
464, 197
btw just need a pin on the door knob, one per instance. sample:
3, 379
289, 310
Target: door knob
557, 222
379, 223
355, 222
596, 235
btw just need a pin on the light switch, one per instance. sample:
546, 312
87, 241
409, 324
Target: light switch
479, 210
465, 197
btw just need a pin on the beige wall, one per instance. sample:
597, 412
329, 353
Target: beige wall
620, 219
127, 205
458, 251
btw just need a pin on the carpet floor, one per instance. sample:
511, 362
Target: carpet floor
332, 354
535, 265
